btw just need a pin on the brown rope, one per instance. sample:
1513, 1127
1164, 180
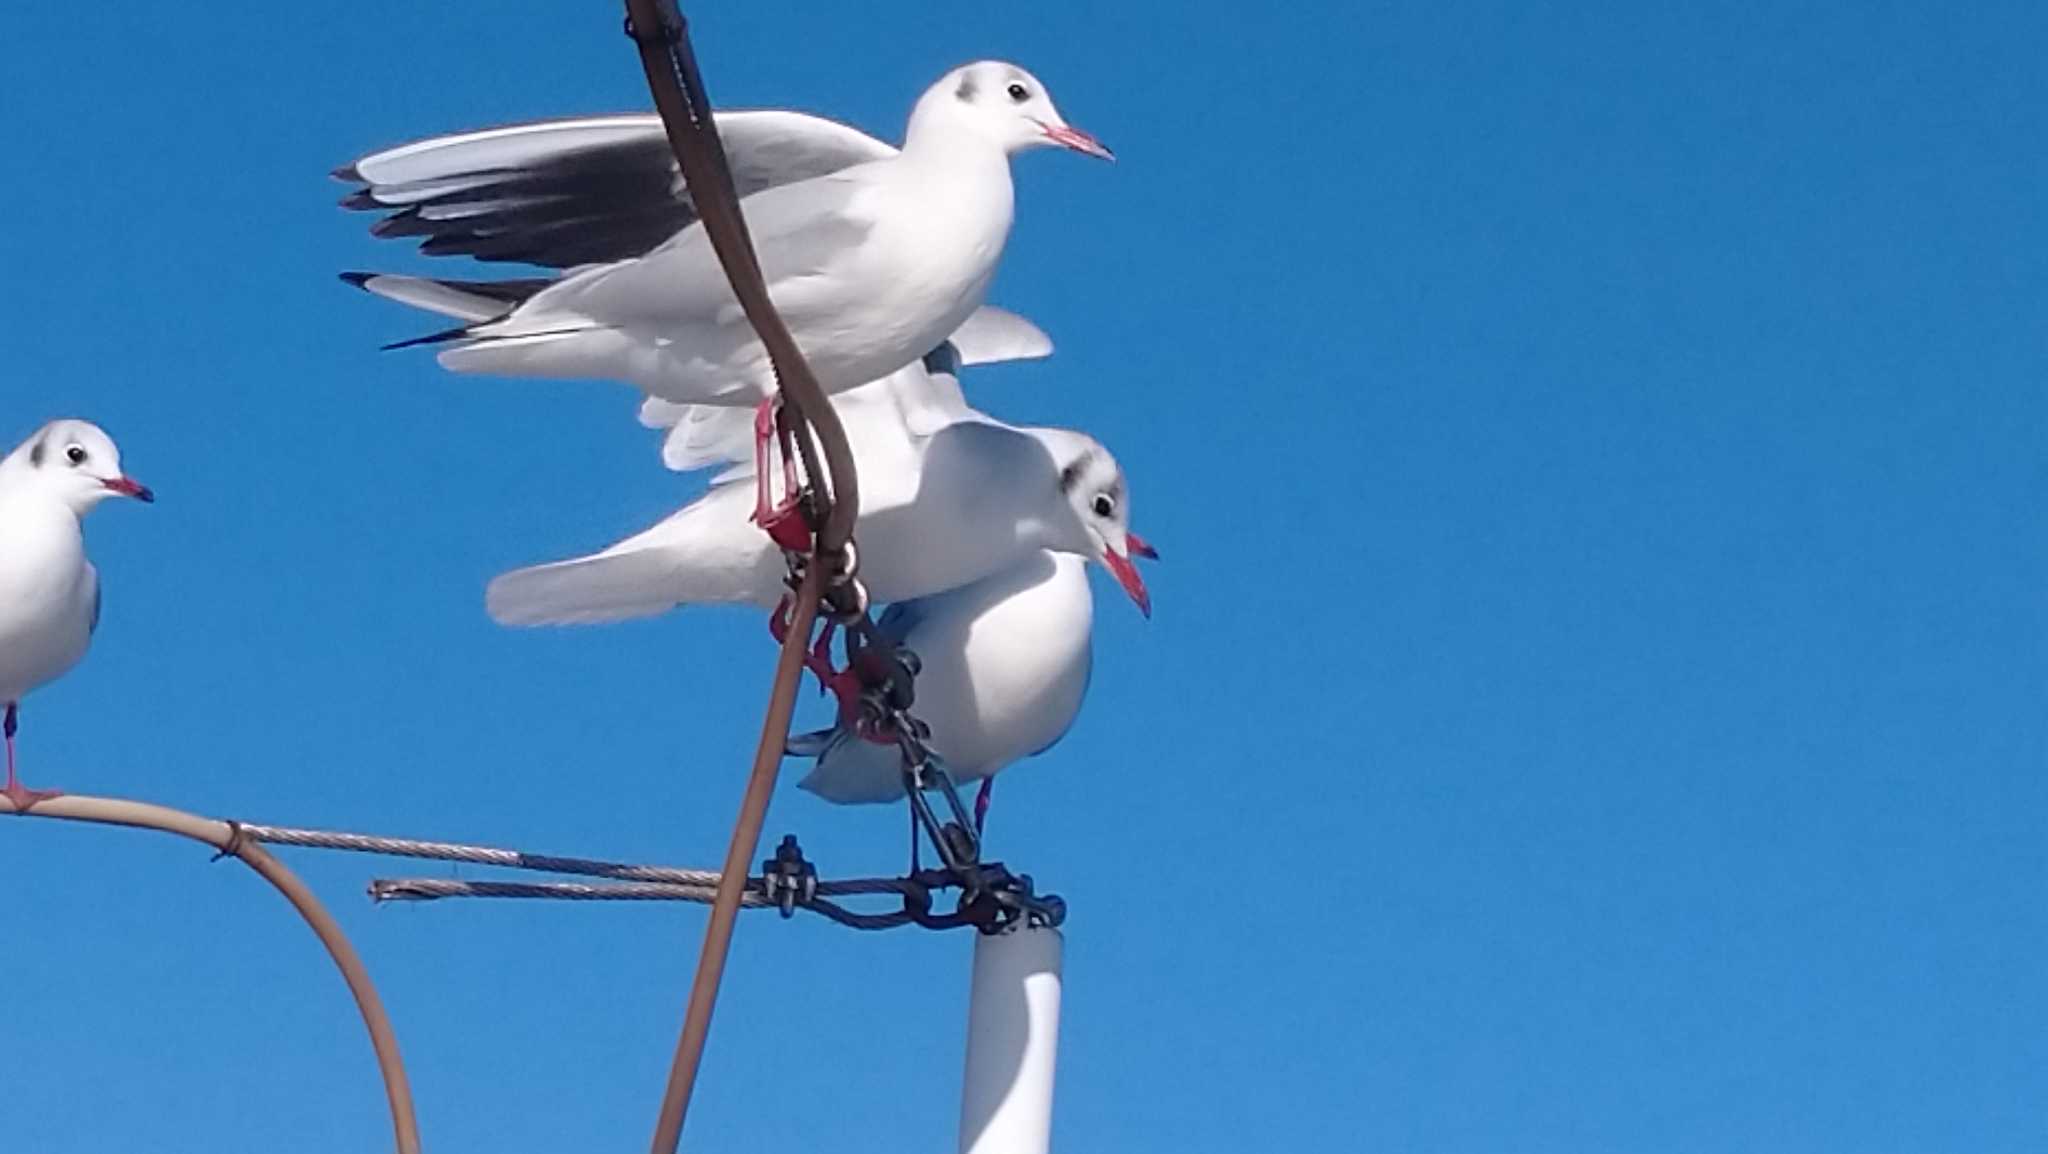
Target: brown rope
227, 837
663, 37
732, 880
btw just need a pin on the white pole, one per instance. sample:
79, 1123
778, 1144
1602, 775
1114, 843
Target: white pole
1013, 1034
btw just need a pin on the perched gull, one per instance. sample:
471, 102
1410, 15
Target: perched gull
944, 502
49, 592
873, 257
563, 194
1004, 664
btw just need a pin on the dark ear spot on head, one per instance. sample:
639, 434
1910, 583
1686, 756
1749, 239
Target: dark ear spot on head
35, 454
967, 87
1072, 474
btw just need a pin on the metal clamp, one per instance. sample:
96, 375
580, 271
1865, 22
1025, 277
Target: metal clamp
788, 879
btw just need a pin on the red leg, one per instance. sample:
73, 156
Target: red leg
22, 797
782, 520
846, 685
820, 661
764, 435
988, 788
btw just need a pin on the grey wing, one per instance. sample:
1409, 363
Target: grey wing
800, 232
589, 190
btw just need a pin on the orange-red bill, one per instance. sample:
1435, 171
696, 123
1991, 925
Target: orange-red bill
1067, 136
1127, 576
130, 487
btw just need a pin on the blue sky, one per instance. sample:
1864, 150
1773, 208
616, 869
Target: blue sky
1594, 701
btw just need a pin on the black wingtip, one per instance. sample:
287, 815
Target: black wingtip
349, 173
360, 280
440, 338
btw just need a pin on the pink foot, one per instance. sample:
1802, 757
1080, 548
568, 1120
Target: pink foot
783, 521
846, 685
820, 661
24, 798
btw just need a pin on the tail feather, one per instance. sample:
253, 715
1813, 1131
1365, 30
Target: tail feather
705, 554
587, 590
473, 302
700, 436
810, 744
850, 770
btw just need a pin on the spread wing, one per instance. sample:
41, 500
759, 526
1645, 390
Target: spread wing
802, 233
587, 190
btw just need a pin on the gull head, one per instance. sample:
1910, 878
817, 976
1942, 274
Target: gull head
1095, 520
74, 463
1002, 104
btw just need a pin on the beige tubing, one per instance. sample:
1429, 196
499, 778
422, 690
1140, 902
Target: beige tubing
224, 836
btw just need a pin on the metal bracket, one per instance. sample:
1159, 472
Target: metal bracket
788, 879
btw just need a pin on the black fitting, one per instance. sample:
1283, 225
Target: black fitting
787, 879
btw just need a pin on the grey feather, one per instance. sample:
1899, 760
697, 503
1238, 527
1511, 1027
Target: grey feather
578, 191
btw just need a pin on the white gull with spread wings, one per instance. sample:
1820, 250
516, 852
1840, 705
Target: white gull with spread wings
872, 262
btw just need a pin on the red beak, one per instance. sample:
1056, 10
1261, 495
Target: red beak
1141, 547
130, 487
1069, 137
1127, 576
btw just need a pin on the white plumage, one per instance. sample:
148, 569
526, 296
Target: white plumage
1004, 666
49, 591
872, 261
979, 532
939, 509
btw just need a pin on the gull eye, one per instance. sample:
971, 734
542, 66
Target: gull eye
75, 454
1019, 94
1105, 505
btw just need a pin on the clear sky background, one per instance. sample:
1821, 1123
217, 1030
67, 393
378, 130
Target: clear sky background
1595, 697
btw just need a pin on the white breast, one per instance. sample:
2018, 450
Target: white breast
47, 592
1005, 667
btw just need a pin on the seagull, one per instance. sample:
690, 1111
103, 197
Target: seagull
49, 592
948, 496
1003, 666
567, 193
873, 256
